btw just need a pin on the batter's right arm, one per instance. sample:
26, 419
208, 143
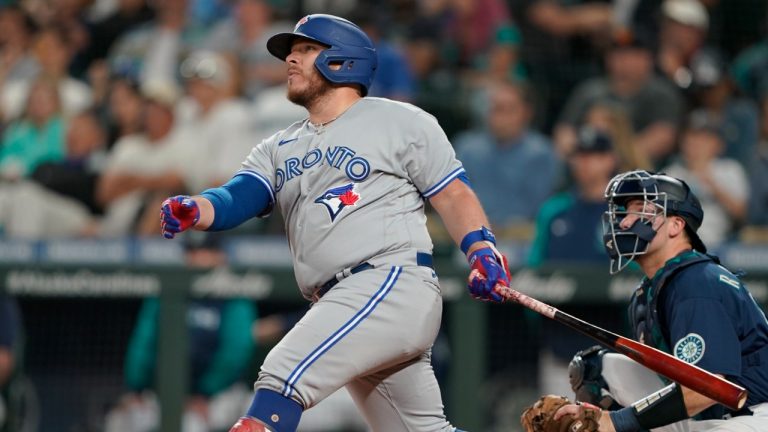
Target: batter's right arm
217, 209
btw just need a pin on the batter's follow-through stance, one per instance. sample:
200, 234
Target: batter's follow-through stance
351, 181
687, 305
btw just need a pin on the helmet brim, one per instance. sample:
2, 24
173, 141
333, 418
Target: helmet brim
280, 44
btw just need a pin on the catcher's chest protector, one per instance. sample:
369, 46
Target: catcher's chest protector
643, 306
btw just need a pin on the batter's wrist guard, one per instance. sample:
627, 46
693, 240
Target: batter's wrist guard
483, 234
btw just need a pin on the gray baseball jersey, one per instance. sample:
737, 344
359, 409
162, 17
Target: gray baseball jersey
354, 193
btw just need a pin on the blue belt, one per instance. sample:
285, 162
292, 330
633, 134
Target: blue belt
422, 259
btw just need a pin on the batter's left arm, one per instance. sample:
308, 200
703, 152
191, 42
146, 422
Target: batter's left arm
466, 222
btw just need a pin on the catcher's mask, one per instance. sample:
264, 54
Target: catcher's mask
661, 195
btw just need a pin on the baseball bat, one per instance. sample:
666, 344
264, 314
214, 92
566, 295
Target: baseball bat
695, 378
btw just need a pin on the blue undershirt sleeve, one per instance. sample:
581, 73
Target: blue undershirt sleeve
241, 198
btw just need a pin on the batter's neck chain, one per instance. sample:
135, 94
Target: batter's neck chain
320, 127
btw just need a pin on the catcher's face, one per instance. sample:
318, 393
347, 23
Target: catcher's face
305, 84
643, 210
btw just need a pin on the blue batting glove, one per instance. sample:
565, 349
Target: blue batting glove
490, 272
177, 214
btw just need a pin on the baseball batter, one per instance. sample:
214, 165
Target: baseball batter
350, 182
687, 305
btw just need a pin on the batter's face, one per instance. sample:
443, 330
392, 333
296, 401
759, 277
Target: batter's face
305, 84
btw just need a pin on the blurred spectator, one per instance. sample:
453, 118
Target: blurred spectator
122, 110
10, 330
713, 90
9, 337
103, 33
758, 174
498, 65
143, 168
654, 106
569, 224
36, 137
152, 52
472, 27
57, 198
750, 71
334, 7
438, 89
502, 59
246, 33
214, 120
67, 17
735, 25
513, 168
16, 61
220, 350
393, 78
682, 36
569, 233
720, 183
559, 47
77, 174
53, 52
611, 119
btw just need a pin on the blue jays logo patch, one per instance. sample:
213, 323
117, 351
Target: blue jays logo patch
690, 348
336, 199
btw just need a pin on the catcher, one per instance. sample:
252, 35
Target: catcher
687, 305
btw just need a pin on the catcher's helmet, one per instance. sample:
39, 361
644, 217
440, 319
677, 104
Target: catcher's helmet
665, 194
348, 46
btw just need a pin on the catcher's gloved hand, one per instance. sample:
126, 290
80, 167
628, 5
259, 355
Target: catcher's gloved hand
177, 214
540, 417
490, 272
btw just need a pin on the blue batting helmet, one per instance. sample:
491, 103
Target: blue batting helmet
348, 46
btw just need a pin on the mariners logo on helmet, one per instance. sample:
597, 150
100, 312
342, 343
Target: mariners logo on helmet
338, 198
690, 348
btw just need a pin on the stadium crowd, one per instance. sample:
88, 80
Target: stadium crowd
107, 105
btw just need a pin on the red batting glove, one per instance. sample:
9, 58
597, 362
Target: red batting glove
248, 424
177, 214
490, 274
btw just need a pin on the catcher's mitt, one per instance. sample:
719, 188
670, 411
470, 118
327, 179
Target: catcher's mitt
540, 417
